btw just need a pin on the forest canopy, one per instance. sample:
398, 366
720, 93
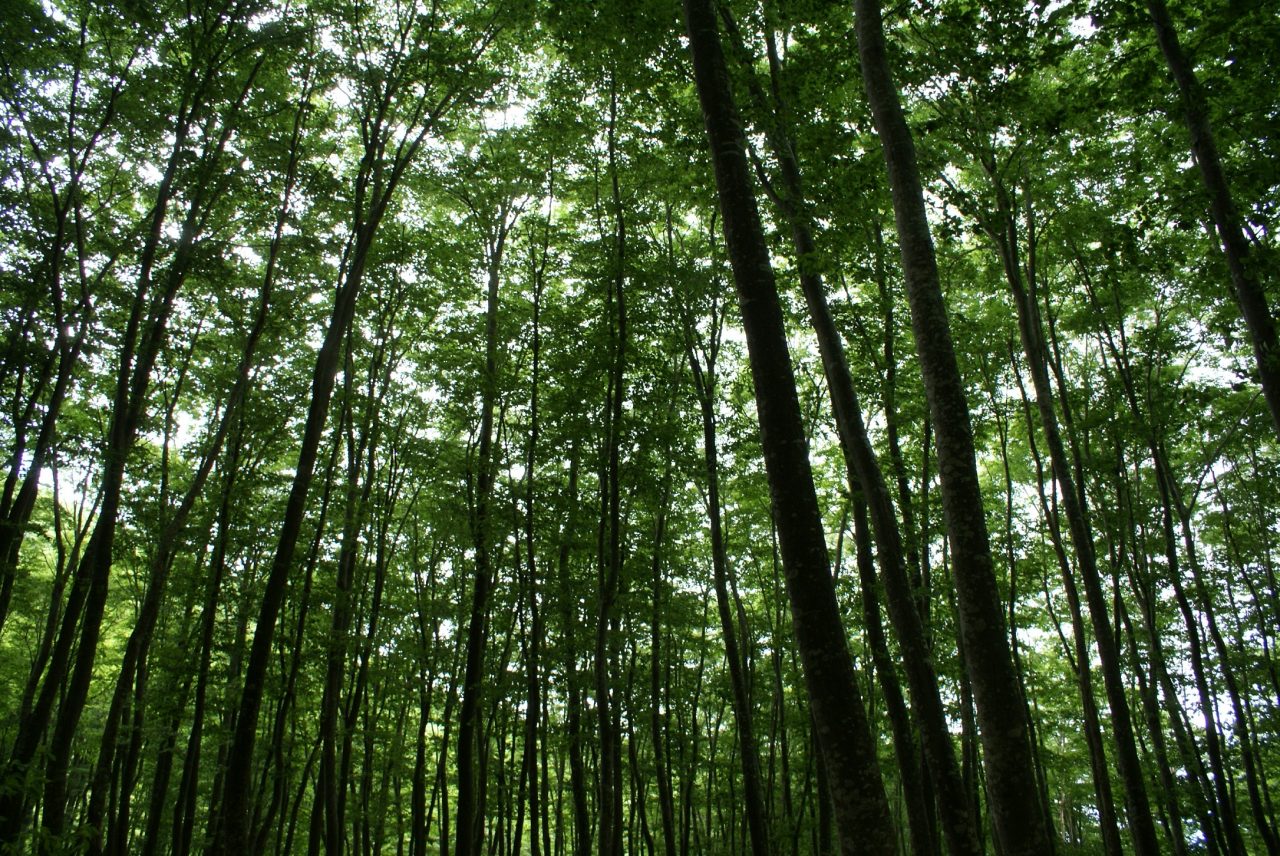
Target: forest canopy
639, 426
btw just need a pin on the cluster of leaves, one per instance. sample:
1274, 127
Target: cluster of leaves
260, 157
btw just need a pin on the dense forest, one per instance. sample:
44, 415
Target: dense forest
618, 426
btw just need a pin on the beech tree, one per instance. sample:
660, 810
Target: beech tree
504, 427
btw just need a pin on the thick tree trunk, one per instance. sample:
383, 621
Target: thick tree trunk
1009, 765
861, 809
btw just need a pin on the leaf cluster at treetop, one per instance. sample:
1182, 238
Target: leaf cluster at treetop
660, 427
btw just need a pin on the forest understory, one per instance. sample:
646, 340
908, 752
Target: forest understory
639, 426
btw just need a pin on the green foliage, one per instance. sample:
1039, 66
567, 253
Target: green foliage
250, 153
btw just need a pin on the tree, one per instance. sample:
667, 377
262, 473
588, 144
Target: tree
385, 468
856, 790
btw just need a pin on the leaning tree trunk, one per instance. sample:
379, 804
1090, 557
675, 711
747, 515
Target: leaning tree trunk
1250, 294
861, 808
1138, 807
1080, 664
1011, 780
704, 384
866, 478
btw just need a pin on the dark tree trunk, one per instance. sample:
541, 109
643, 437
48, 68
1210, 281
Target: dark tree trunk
581, 845
533, 658
609, 558
1005, 235
235, 825
1010, 769
658, 713
866, 478
704, 379
861, 809
1250, 294
1078, 654
140, 638
904, 741
470, 821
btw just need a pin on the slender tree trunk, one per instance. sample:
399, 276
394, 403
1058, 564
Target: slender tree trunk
533, 659
140, 638
1241, 728
904, 741
470, 821
1151, 711
659, 714
609, 560
861, 808
1250, 293
1224, 817
1080, 662
705, 386
1005, 233
581, 843
67, 202
384, 161
1010, 768
865, 477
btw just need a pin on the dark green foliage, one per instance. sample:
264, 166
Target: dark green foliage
253, 157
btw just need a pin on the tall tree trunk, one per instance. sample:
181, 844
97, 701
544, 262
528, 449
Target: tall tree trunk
1250, 293
470, 822
1225, 815
1010, 769
609, 559
139, 640
389, 148
1078, 655
67, 200
704, 379
143, 339
573, 692
904, 741
659, 714
861, 808
865, 477
1005, 235
1242, 730
533, 657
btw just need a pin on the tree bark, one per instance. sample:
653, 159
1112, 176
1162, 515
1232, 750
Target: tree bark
704, 386
866, 479
1010, 770
470, 822
1250, 294
861, 808
1005, 235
